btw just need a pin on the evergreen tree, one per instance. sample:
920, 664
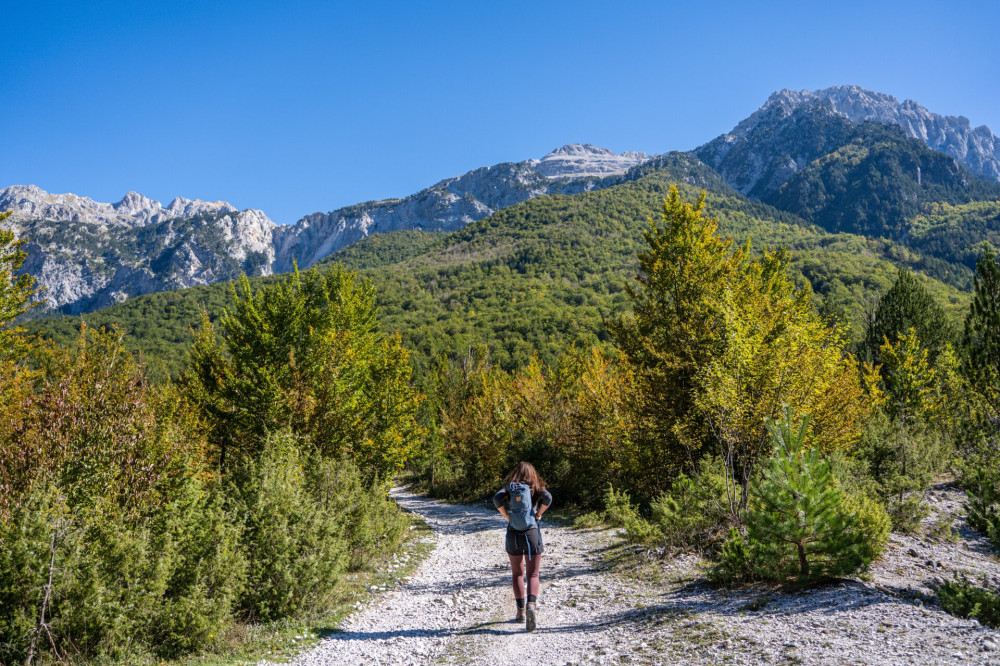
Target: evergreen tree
796, 523
982, 334
983, 498
306, 354
981, 369
16, 290
907, 305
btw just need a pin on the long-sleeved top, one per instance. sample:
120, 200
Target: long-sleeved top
542, 497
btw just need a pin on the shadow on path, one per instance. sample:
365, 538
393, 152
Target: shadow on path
504, 627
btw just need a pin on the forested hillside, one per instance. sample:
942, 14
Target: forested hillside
544, 275
874, 180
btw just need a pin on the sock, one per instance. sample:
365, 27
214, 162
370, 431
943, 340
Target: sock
520, 602
532, 599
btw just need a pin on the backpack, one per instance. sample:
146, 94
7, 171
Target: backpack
521, 511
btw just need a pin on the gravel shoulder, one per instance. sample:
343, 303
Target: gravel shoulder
457, 607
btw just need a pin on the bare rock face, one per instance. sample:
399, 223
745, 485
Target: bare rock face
88, 255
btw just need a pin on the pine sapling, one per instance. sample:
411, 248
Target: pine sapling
798, 526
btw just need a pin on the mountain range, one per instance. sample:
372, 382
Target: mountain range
89, 255
843, 158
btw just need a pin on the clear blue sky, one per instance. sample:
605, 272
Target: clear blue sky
295, 107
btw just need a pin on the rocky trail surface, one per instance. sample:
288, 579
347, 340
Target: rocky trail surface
457, 608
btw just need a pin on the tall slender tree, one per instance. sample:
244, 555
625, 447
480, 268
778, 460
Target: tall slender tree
720, 340
982, 334
907, 305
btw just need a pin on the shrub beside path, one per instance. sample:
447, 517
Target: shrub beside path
457, 608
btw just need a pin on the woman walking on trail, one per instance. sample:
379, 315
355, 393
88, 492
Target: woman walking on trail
522, 501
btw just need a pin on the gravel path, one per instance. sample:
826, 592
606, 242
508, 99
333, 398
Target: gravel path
457, 607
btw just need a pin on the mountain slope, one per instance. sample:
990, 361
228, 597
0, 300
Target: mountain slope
874, 182
977, 149
539, 276
454, 202
805, 154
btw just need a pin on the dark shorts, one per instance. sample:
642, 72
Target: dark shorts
528, 542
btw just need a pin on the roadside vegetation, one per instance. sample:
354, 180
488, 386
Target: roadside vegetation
715, 403
150, 522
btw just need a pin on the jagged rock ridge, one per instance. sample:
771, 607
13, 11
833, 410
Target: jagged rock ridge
28, 202
794, 127
88, 255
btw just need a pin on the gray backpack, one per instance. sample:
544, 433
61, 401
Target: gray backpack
521, 511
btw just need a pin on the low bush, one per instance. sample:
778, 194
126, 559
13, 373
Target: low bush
621, 512
871, 520
900, 467
981, 506
962, 599
735, 562
295, 551
111, 584
370, 522
695, 512
307, 520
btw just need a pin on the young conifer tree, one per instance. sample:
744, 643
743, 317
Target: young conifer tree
982, 334
907, 305
981, 369
796, 522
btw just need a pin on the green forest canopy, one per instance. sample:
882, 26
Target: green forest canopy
542, 276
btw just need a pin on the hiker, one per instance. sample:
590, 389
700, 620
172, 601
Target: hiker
522, 501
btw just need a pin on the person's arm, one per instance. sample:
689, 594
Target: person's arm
500, 502
543, 504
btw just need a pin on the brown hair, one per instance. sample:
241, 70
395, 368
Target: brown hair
525, 473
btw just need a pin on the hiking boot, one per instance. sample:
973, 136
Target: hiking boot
530, 619
520, 614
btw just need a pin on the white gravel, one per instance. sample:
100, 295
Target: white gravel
457, 607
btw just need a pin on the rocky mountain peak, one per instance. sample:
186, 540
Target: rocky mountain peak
975, 148
580, 149
181, 207
136, 204
584, 159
